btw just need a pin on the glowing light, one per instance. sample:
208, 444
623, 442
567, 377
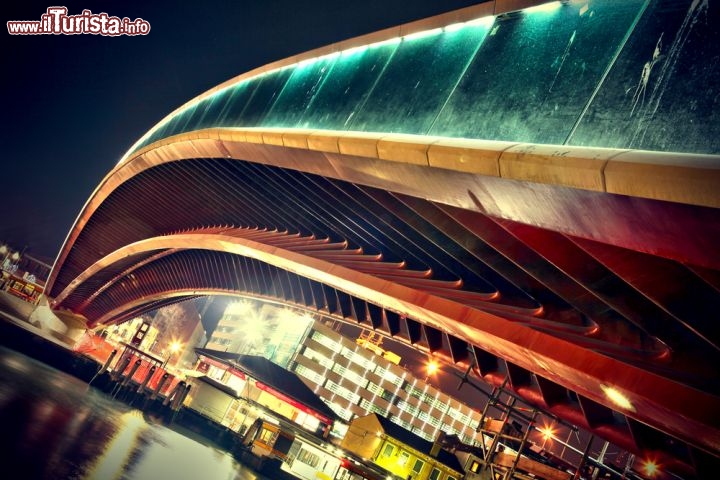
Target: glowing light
329, 56
650, 468
432, 367
242, 307
617, 397
307, 61
355, 50
423, 34
547, 432
481, 22
175, 346
545, 7
389, 41
455, 27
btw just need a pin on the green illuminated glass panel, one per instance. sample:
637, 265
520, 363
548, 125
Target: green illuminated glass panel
172, 127
418, 81
346, 88
205, 113
217, 107
536, 71
230, 113
161, 132
298, 92
267, 88
663, 91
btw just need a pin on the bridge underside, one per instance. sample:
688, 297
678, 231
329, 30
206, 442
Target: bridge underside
570, 254
510, 277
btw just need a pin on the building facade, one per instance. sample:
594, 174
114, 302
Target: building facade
170, 333
353, 377
354, 381
398, 451
236, 390
248, 327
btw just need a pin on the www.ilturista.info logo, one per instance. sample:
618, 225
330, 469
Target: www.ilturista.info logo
56, 21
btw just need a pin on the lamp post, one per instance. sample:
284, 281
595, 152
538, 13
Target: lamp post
547, 434
432, 367
175, 347
14, 257
4, 251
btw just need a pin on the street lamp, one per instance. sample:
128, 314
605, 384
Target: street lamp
650, 468
547, 433
4, 252
431, 368
174, 347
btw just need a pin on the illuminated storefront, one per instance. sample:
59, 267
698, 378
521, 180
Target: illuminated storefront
237, 390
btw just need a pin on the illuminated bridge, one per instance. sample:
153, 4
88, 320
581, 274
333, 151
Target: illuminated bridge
533, 194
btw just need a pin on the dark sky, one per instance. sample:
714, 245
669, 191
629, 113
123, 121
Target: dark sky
74, 104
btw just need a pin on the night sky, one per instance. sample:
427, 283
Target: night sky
74, 104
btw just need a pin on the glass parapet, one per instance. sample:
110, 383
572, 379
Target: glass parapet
419, 79
535, 72
346, 87
631, 74
663, 91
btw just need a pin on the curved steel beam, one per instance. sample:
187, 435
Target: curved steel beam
497, 178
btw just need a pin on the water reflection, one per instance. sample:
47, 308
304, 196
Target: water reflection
55, 427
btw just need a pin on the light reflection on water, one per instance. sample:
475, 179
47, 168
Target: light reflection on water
53, 426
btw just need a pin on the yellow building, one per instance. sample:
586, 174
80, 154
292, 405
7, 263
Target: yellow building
399, 451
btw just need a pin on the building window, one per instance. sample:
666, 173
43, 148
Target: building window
403, 459
309, 374
326, 341
371, 407
350, 375
406, 407
308, 458
474, 466
417, 468
388, 451
435, 474
388, 396
268, 437
375, 389
343, 392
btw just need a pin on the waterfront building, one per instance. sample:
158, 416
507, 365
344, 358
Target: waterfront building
235, 390
353, 377
355, 381
170, 333
21, 274
399, 451
256, 328
138, 331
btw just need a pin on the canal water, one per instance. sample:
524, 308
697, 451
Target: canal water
54, 426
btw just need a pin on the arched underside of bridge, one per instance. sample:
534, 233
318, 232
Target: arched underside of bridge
566, 270
564, 313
